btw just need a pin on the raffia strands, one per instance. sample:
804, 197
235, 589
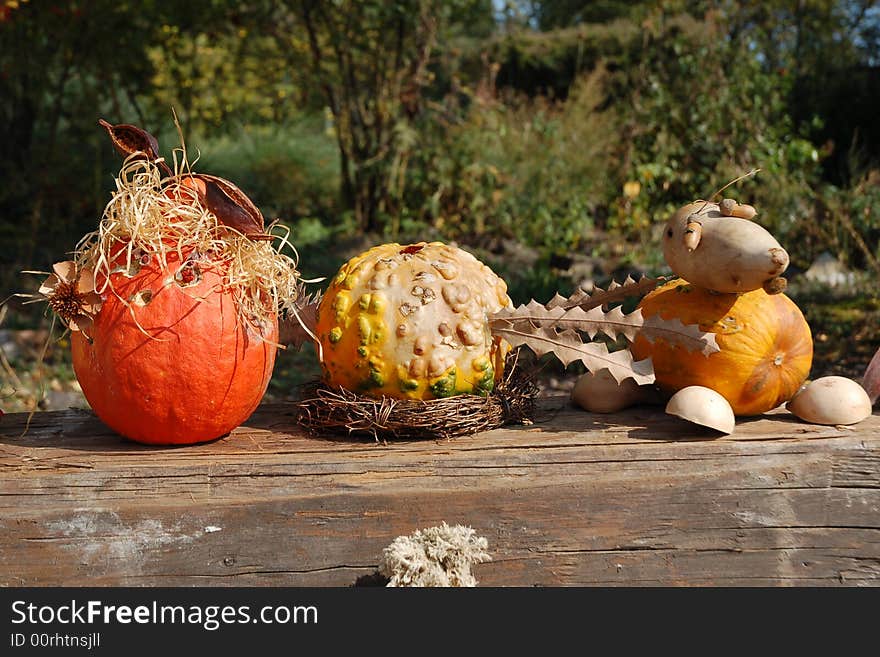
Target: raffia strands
154, 216
325, 410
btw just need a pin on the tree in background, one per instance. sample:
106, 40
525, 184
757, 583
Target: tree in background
829, 50
370, 60
441, 115
63, 65
552, 14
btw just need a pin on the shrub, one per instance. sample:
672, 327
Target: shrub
523, 169
291, 170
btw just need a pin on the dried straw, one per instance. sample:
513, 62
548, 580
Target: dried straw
154, 216
325, 410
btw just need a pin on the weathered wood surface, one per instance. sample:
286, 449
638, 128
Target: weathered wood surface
636, 498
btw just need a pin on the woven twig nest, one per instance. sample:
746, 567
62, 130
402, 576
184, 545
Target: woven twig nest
326, 410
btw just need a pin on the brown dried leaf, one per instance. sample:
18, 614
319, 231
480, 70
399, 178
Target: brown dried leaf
85, 284
81, 322
612, 323
871, 382
568, 347
66, 270
48, 286
599, 297
233, 207
591, 322
300, 328
673, 331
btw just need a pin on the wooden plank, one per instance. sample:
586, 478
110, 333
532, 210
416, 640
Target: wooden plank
636, 498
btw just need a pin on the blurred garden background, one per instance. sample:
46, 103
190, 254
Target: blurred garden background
551, 138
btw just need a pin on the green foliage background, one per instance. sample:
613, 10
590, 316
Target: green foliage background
536, 132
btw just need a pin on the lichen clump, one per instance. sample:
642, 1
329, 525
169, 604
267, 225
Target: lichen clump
437, 556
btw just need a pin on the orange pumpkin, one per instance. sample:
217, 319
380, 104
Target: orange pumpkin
766, 349
169, 361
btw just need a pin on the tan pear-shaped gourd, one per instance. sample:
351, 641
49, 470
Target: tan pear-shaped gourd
722, 253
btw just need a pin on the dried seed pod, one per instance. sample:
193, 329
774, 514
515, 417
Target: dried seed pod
71, 294
231, 206
129, 139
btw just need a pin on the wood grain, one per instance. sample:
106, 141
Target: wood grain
635, 498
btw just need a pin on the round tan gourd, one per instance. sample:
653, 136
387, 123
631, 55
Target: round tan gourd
599, 392
703, 406
412, 322
831, 400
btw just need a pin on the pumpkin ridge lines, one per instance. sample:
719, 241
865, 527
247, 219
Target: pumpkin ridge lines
767, 326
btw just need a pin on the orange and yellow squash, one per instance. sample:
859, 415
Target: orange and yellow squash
766, 348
